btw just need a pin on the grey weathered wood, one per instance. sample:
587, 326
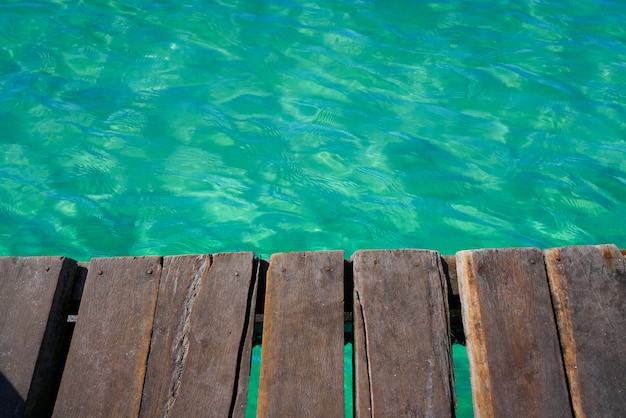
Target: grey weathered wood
106, 364
241, 400
302, 357
34, 302
403, 363
588, 287
181, 279
198, 359
516, 369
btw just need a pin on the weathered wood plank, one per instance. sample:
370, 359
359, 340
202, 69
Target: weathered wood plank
34, 303
403, 363
198, 363
588, 287
245, 361
181, 278
106, 363
302, 356
516, 367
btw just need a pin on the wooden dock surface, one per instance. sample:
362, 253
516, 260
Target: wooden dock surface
172, 336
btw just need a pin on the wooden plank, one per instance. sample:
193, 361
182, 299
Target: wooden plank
180, 281
245, 360
106, 364
202, 336
588, 287
516, 367
403, 362
34, 303
302, 356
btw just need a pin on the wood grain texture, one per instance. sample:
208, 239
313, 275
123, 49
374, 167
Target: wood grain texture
238, 408
218, 330
106, 364
403, 363
181, 278
588, 285
35, 296
302, 356
516, 367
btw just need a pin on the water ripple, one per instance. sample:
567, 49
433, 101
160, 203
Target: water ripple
342, 126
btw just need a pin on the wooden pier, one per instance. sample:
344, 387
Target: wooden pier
172, 336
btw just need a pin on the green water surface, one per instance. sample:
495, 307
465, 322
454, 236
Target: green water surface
166, 127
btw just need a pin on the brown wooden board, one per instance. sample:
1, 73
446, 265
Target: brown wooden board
200, 351
516, 369
402, 351
181, 278
302, 355
35, 296
106, 364
588, 287
238, 408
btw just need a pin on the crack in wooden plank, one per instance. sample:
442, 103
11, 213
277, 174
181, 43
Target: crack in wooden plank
367, 356
181, 341
557, 280
246, 334
441, 294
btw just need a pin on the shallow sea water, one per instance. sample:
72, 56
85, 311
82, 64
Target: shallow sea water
155, 127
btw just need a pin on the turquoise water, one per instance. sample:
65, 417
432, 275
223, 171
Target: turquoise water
154, 127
